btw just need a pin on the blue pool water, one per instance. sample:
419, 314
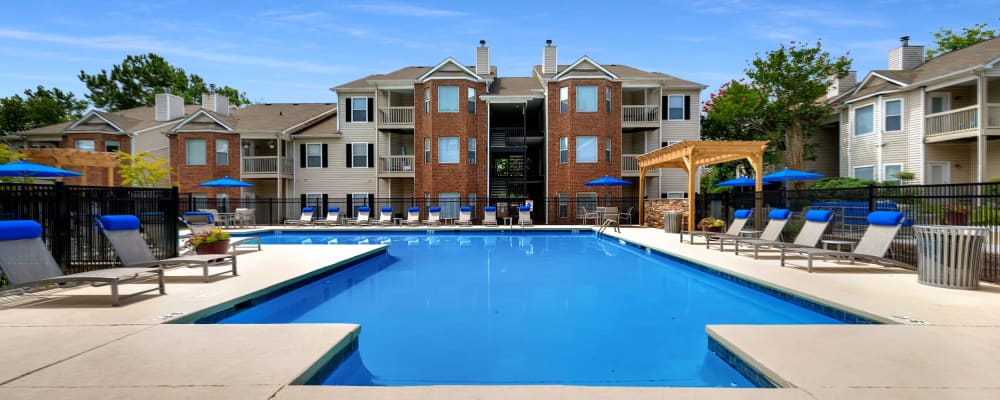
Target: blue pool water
523, 308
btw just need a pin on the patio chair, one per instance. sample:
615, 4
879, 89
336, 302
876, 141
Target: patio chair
246, 216
364, 212
332, 217
26, 262
202, 223
524, 216
464, 216
133, 251
882, 229
740, 218
816, 223
385, 217
304, 219
433, 216
412, 216
778, 218
490, 216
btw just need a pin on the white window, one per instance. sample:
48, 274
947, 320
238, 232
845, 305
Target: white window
563, 150
200, 200
427, 150
864, 120
314, 155
675, 107
195, 151
472, 151
471, 94
472, 203
890, 172
84, 145
359, 155
893, 116
564, 99
221, 152
607, 99
448, 201
447, 150
864, 173
586, 201
607, 150
563, 204
427, 100
586, 99
359, 109
586, 149
314, 200
112, 146
359, 200
447, 98
675, 195
940, 102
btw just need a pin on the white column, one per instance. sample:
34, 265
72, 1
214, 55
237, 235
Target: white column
981, 121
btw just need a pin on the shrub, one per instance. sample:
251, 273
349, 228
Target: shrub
711, 222
215, 235
840, 183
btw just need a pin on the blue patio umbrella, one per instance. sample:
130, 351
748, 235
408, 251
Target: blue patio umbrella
740, 182
24, 169
607, 181
226, 182
790, 175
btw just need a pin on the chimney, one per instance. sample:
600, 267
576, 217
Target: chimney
168, 107
482, 58
214, 102
842, 85
906, 57
549, 58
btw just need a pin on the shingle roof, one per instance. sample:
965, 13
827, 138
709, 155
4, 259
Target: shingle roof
629, 72
515, 87
403, 74
277, 117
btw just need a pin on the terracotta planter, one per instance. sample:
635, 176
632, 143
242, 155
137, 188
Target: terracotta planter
711, 228
220, 247
954, 218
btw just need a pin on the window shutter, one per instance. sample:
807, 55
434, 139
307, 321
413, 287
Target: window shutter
371, 109
325, 158
302, 155
350, 205
349, 111
664, 111
687, 107
371, 155
371, 200
348, 155
326, 202
302, 201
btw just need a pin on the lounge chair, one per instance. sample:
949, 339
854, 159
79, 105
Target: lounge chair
385, 217
433, 216
123, 233
490, 216
27, 263
772, 232
882, 228
203, 222
332, 217
304, 219
464, 216
364, 212
740, 218
816, 223
524, 215
412, 216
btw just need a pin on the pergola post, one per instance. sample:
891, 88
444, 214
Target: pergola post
642, 199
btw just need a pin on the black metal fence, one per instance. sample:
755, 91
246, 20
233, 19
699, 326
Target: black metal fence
68, 215
974, 204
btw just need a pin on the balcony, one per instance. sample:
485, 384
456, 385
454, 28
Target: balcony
640, 116
630, 166
266, 166
395, 167
396, 117
950, 125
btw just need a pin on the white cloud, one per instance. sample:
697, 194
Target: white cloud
406, 10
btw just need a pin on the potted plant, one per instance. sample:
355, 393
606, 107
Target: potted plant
956, 214
711, 224
215, 241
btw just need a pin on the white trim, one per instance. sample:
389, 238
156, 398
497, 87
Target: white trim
458, 99
853, 119
667, 108
877, 127
576, 103
458, 153
557, 77
576, 150
946, 174
945, 105
365, 144
448, 60
201, 111
920, 130
307, 144
351, 110
87, 116
304, 124
886, 78
902, 114
872, 166
951, 82
885, 176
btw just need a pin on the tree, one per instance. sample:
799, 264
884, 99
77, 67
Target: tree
8, 155
38, 108
142, 169
741, 111
136, 81
947, 41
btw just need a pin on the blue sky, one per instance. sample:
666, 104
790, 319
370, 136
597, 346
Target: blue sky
294, 51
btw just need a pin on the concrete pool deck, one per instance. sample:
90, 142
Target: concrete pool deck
72, 344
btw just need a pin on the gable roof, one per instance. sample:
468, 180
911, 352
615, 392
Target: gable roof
443, 67
584, 65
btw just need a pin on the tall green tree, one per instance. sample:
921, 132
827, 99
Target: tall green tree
142, 169
38, 107
947, 40
136, 81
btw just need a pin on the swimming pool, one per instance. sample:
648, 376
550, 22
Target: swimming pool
523, 308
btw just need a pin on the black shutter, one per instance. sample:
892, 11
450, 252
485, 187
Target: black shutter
687, 107
664, 111
371, 200
326, 203
348, 116
371, 155
326, 158
302, 156
302, 200
371, 109
348, 155
350, 205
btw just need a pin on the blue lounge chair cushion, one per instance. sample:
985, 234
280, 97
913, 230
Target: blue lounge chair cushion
120, 222
211, 218
307, 209
741, 214
20, 229
333, 209
434, 209
819, 215
413, 209
891, 218
779, 214
524, 208
386, 209
363, 208
465, 208
491, 208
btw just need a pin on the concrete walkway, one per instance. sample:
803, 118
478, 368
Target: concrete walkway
72, 344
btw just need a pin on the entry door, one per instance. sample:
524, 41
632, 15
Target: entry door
938, 172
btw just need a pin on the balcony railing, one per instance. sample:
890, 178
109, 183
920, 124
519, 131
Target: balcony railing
629, 164
397, 115
993, 115
952, 121
396, 165
640, 114
267, 165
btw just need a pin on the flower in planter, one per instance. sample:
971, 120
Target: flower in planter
709, 222
955, 208
215, 235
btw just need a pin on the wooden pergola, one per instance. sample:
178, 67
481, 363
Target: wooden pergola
76, 160
691, 155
